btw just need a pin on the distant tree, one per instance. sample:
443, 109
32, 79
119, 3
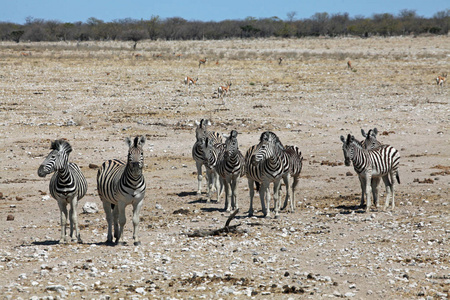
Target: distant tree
16, 35
291, 16
134, 35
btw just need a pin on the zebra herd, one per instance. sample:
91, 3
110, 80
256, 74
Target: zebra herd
120, 183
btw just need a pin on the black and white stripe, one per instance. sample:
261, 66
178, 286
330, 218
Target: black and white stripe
295, 167
368, 164
120, 184
67, 185
211, 152
230, 167
201, 133
265, 163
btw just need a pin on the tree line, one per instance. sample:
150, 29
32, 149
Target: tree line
407, 22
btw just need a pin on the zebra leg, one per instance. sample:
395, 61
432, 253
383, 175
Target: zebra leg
63, 216
286, 183
219, 185
115, 212
387, 184
199, 177
74, 220
210, 180
264, 195
368, 180
252, 194
226, 183
109, 220
363, 190
122, 220
276, 197
393, 189
234, 202
375, 183
294, 185
136, 212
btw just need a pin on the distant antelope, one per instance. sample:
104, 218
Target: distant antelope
280, 60
349, 65
189, 81
223, 90
159, 55
178, 55
25, 53
201, 62
137, 55
440, 80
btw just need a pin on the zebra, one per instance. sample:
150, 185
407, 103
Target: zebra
266, 162
368, 164
120, 184
201, 132
211, 151
230, 167
295, 167
67, 185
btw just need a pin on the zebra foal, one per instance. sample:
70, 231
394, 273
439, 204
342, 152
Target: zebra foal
67, 185
120, 184
378, 162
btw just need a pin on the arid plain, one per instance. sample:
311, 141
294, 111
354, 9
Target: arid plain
94, 94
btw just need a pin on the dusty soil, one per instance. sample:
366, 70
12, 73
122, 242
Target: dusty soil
96, 94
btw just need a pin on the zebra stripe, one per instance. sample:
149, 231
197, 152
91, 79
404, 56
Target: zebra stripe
265, 163
230, 166
120, 184
67, 185
379, 162
370, 141
201, 133
295, 167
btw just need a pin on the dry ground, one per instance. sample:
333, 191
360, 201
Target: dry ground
96, 94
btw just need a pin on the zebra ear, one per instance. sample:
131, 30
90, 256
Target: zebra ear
233, 133
128, 142
343, 139
375, 130
225, 136
142, 140
197, 122
363, 133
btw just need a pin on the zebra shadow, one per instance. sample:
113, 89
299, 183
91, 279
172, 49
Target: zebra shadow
348, 209
186, 194
45, 243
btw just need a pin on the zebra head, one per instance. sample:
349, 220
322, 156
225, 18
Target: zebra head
231, 143
57, 159
202, 128
269, 145
371, 141
135, 154
207, 145
348, 148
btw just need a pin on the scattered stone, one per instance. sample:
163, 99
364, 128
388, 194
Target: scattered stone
10, 218
90, 208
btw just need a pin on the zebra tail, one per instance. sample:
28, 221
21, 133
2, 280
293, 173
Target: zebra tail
258, 186
398, 177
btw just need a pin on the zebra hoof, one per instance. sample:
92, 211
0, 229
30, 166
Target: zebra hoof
138, 243
109, 243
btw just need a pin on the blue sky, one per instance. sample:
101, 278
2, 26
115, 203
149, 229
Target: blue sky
203, 10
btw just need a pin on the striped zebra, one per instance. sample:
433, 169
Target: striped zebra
266, 162
368, 164
120, 184
67, 185
201, 132
230, 167
370, 142
211, 151
295, 167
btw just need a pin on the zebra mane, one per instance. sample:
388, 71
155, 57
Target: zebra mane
61, 144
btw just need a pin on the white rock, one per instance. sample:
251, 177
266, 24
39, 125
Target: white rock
90, 208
